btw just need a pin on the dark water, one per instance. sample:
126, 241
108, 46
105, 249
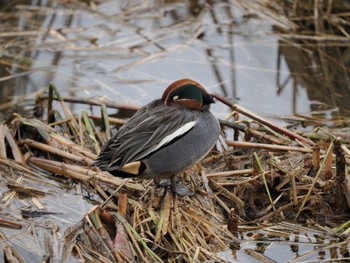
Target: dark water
131, 52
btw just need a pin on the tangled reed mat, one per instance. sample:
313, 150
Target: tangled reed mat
261, 179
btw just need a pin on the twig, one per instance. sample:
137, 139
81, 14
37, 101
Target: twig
262, 173
99, 102
105, 121
80, 173
239, 203
73, 123
90, 131
345, 149
3, 132
230, 173
9, 224
329, 151
254, 116
53, 150
271, 147
258, 256
16, 151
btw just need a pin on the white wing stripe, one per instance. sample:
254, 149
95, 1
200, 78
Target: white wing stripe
182, 130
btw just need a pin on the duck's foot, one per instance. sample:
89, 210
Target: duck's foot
162, 182
175, 185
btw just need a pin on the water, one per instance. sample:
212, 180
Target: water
129, 53
288, 244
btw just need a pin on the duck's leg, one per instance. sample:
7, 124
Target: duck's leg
175, 185
162, 182
178, 188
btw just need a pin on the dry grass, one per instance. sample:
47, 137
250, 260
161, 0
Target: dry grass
260, 185
138, 221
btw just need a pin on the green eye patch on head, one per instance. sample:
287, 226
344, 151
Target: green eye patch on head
188, 91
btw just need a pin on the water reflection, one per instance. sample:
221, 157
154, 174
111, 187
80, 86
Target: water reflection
288, 243
131, 52
322, 71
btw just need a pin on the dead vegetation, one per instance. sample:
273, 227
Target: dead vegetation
257, 182
262, 183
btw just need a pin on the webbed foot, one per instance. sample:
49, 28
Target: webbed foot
177, 187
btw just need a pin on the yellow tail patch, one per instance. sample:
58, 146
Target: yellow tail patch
132, 168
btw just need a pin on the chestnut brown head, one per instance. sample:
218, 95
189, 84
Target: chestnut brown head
187, 93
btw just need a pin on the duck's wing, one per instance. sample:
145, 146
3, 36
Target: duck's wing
151, 128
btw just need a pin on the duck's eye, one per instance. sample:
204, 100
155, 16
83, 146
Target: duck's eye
176, 97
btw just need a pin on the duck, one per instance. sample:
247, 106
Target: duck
164, 138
